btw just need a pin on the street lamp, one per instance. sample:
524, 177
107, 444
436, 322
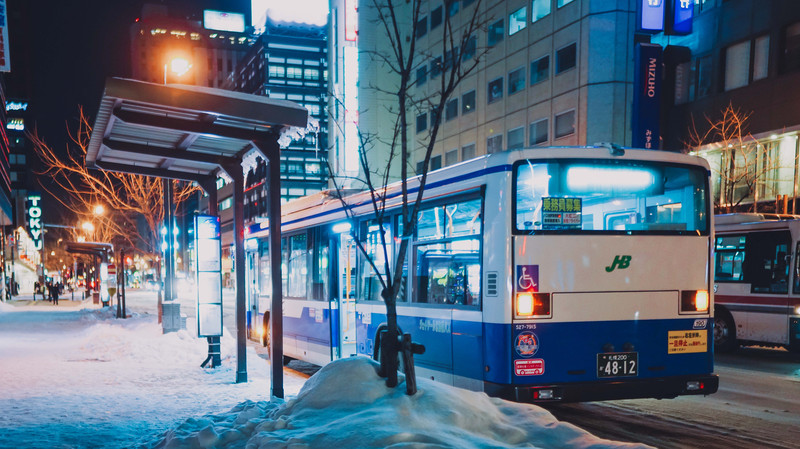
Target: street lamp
178, 65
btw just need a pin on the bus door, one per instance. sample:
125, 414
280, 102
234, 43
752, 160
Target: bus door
346, 268
767, 261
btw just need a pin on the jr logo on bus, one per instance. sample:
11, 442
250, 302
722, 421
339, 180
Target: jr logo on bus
621, 262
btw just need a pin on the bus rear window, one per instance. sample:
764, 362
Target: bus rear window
599, 196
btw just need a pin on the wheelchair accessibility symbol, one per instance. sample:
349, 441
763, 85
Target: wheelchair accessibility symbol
527, 278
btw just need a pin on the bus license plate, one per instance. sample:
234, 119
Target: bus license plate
617, 364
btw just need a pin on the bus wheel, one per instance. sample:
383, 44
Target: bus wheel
724, 332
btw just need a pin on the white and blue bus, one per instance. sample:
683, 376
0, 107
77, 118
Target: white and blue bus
546, 274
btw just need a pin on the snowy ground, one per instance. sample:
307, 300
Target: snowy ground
72, 376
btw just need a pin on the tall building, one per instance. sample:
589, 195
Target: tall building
744, 54
554, 72
167, 49
289, 61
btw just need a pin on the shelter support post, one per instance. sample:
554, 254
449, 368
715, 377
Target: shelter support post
271, 150
171, 309
236, 173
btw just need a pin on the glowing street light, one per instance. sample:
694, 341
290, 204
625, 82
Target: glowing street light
99, 209
179, 67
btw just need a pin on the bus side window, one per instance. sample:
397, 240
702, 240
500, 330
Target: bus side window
766, 261
796, 286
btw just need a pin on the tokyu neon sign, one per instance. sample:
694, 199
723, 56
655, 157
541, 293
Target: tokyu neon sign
34, 218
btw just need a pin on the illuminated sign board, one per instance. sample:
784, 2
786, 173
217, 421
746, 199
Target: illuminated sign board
650, 16
5, 53
209, 275
680, 18
350, 20
223, 21
647, 82
16, 124
34, 219
16, 106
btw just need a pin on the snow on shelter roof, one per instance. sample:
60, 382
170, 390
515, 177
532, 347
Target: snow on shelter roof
180, 131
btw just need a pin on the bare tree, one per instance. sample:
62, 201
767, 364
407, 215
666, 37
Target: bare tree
125, 197
745, 166
396, 59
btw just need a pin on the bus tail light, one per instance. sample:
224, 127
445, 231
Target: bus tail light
532, 305
694, 301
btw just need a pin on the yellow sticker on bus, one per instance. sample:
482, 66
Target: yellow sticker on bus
684, 342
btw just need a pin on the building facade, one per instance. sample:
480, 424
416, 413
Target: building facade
743, 57
167, 49
551, 72
289, 61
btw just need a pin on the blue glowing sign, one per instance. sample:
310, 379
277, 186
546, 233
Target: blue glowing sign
682, 13
646, 96
651, 16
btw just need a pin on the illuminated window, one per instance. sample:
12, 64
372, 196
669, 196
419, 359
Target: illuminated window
517, 21
495, 90
540, 9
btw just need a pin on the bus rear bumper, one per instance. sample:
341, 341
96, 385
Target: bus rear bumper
657, 388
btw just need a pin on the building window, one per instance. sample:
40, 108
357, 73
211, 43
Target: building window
422, 122
540, 9
791, 48
537, 132
566, 58
436, 163
294, 73
422, 27
420, 167
761, 58
468, 152
540, 70
469, 48
516, 138
468, 102
451, 110
565, 124
436, 17
452, 7
436, 67
516, 80
495, 90
737, 65
517, 21
451, 157
494, 144
560, 3
422, 75
311, 74
496, 33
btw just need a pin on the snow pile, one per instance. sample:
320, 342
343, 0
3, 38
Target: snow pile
4, 307
346, 405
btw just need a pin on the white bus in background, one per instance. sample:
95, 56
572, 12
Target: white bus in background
757, 281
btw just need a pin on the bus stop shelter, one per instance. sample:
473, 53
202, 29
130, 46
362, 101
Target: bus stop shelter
195, 134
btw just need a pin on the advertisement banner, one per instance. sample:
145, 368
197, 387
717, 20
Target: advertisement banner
5, 53
209, 275
646, 114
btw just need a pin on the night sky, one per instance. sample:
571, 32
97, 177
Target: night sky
62, 52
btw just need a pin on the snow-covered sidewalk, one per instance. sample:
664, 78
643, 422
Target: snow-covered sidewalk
75, 377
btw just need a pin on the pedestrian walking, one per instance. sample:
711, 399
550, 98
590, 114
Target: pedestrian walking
54, 293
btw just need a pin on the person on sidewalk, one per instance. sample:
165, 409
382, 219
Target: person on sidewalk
53, 293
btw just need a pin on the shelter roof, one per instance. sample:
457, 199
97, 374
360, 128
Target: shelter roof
179, 131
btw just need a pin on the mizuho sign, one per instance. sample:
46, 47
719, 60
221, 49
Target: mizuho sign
34, 217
